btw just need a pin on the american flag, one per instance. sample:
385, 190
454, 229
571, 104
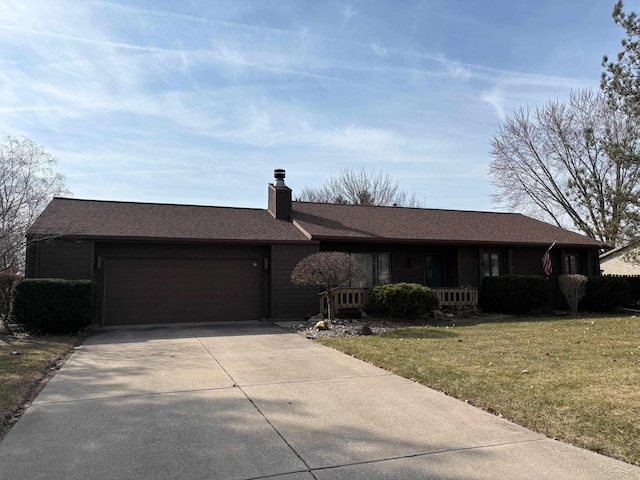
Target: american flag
546, 261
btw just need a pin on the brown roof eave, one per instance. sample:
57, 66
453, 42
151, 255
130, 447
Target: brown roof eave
412, 241
108, 238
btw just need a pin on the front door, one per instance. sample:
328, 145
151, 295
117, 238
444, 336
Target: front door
434, 270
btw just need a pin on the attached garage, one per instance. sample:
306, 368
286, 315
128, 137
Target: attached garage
173, 290
164, 263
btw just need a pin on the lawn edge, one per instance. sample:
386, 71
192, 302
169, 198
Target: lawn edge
11, 415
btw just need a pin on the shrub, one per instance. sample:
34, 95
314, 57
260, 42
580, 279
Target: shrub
606, 293
634, 283
466, 311
513, 293
54, 305
7, 282
634, 294
573, 287
403, 300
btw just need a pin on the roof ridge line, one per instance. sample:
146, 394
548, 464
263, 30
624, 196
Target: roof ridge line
398, 207
163, 204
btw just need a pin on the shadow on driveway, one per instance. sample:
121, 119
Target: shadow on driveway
254, 401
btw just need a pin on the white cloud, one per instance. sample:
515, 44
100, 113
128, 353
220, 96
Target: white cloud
494, 98
378, 49
348, 11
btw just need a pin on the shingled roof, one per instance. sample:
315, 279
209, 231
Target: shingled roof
311, 222
395, 224
153, 221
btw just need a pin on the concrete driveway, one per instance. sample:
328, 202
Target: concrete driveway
252, 401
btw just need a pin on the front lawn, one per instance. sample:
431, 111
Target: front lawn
576, 379
25, 361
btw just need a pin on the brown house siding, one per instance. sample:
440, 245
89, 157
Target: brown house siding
67, 259
527, 260
287, 300
468, 266
407, 264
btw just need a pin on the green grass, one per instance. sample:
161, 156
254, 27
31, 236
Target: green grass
576, 379
21, 374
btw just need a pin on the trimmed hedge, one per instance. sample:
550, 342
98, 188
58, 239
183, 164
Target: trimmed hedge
513, 293
54, 305
606, 293
7, 283
403, 300
634, 284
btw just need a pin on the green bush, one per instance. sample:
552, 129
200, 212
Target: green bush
634, 284
606, 293
513, 293
403, 300
54, 305
7, 282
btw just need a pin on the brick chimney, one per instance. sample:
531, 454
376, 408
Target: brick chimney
279, 197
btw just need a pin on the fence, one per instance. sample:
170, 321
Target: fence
357, 297
345, 297
457, 297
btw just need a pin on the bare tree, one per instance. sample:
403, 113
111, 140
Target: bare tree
359, 187
27, 184
571, 163
327, 270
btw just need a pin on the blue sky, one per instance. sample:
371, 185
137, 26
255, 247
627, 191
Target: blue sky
198, 102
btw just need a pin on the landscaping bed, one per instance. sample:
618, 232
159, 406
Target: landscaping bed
342, 327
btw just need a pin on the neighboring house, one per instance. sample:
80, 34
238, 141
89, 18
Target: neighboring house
159, 263
621, 261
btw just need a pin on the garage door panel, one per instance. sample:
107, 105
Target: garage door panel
180, 290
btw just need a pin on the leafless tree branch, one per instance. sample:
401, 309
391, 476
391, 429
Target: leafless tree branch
571, 163
359, 187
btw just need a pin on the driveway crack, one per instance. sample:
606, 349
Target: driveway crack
266, 419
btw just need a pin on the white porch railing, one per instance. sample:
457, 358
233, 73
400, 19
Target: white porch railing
345, 297
457, 297
351, 297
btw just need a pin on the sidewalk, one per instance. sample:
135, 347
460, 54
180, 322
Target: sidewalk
252, 401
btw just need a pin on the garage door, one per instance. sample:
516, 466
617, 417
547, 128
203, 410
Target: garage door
148, 290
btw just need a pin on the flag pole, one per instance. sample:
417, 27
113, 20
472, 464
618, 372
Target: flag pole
547, 266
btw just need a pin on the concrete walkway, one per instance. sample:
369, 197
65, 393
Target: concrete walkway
251, 401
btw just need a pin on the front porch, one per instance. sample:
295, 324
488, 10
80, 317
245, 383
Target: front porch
352, 298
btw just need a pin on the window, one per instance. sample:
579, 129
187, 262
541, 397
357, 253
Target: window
492, 265
572, 264
377, 267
